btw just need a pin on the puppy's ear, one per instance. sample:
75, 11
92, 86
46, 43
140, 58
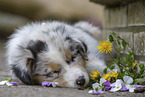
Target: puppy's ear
80, 46
82, 50
24, 76
31, 66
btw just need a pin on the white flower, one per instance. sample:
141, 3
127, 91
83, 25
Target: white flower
5, 83
91, 91
102, 80
130, 87
95, 92
128, 80
116, 86
98, 86
54, 84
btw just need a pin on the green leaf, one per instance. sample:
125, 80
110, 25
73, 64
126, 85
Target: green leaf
9, 80
130, 58
112, 67
6, 79
140, 81
111, 38
114, 34
105, 71
126, 70
124, 44
119, 47
141, 66
143, 74
109, 65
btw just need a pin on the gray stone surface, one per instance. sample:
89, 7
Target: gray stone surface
38, 91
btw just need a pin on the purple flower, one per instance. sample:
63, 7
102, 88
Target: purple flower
124, 89
107, 83
44, 84
137, 86
95, 92
14, 83
107, 88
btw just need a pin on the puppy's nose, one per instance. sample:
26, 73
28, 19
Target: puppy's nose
80, 81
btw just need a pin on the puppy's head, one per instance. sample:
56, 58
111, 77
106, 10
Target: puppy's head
62, 61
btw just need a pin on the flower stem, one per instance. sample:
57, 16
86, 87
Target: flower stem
116, 51
111, 55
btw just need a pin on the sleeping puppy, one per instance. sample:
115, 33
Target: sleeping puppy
55, 52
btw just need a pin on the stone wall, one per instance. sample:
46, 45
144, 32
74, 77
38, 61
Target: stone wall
127, 19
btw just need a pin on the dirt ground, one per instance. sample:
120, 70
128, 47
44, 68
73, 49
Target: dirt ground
39, 91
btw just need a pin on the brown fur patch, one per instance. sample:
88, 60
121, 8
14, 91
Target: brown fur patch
54, 67
61, 82
38, 79
68, 54
83, 63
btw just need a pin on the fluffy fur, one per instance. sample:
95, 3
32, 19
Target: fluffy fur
55, 51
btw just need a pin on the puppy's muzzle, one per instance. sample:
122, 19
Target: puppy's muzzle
80, 81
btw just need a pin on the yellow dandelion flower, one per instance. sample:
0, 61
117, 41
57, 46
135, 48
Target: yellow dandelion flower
134, 64
95, 75
105, 46
109, 75
113, 74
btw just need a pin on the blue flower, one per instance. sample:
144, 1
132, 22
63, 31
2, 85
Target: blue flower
124, 89
138, 86
14, 83
44, 84
54, 84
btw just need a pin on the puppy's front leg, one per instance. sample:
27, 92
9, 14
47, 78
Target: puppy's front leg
95, 64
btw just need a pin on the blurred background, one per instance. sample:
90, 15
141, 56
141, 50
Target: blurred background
16, 13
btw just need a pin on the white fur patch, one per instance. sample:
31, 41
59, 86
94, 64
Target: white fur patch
51, 34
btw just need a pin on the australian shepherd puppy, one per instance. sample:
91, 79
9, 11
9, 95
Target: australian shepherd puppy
55, 52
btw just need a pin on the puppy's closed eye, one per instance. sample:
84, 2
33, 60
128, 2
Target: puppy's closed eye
54, 74
47, 70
